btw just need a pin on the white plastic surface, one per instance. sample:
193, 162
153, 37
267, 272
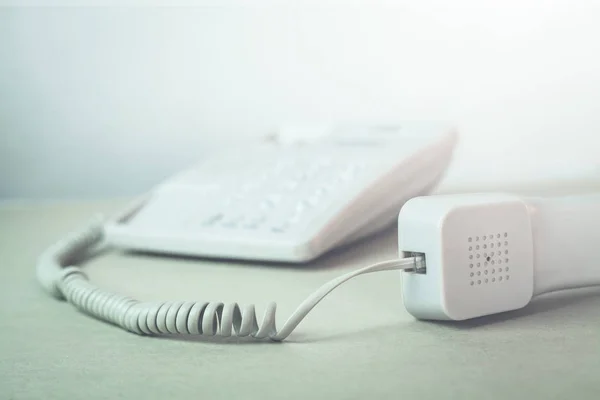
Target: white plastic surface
566, 236
289, 203
478, 252
536, 246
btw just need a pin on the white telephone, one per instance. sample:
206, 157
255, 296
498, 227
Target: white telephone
289, 202
462, 256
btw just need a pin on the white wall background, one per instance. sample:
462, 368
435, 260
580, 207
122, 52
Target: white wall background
107, 101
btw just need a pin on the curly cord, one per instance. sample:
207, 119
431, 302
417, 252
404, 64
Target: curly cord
174, 317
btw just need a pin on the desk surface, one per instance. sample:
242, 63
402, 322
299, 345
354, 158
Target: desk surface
358, 343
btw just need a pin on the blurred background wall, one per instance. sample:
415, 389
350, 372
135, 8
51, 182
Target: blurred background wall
106, 101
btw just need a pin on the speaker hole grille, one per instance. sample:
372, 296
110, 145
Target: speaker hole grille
495, 263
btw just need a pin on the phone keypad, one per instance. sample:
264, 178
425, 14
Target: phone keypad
275, 198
